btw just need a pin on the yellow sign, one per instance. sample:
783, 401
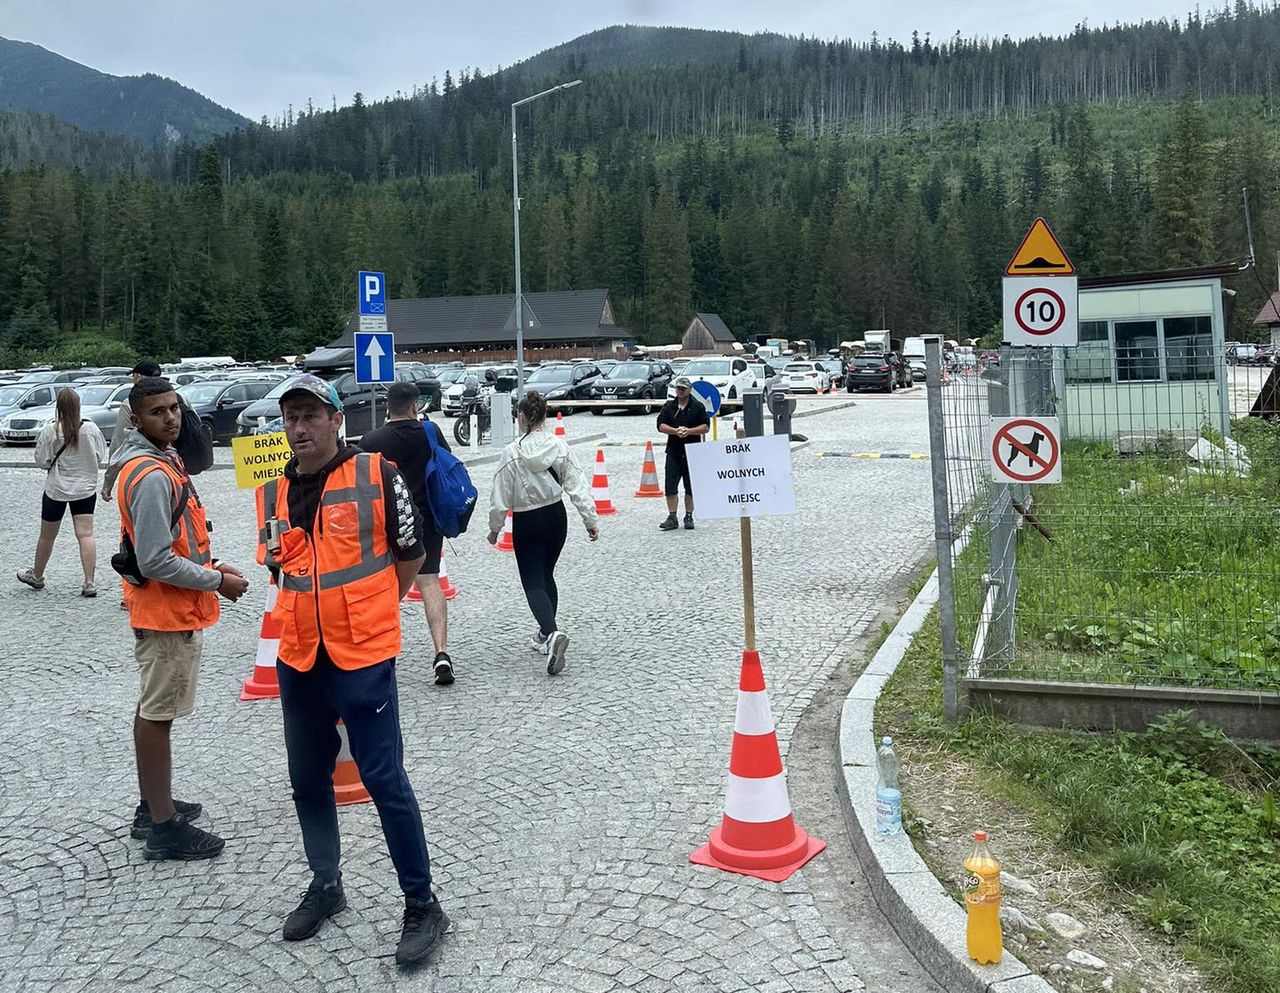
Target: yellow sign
1040, 254
259, 458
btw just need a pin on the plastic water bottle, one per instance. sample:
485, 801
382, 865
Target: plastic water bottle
888, 795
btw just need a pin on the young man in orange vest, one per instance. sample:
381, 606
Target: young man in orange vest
162, 518
339, 531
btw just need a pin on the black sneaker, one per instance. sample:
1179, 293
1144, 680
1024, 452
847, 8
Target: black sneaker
142, 817
424, 925
670, 524
318, 904
176, 839
688, 522
444, 669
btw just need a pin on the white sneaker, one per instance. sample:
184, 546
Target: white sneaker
557, 645
537, 643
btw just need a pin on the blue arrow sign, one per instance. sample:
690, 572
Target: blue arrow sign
709, 395
375, 357
371, 291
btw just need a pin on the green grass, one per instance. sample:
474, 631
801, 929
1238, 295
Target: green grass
1156, 574
1179, 820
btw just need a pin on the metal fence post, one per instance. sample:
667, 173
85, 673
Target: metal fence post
1001, 402
942, 525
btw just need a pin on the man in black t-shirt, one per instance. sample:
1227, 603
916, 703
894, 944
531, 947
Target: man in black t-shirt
684, 421
403, 440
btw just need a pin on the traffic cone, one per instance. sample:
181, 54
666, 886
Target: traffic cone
347, 788
758, 836
264, 684
600, 487
447, 588
560, 433
649, 475
507, 542
413, 596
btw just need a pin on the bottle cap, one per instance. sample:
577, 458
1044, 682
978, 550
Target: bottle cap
886, 740
979, 835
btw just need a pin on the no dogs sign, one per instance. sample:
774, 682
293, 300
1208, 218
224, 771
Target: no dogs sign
1025, 450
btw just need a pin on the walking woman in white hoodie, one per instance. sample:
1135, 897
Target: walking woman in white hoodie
536, 471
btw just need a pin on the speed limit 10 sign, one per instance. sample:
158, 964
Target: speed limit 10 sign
1041, 310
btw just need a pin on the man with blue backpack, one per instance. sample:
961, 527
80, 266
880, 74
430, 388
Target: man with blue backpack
438, 483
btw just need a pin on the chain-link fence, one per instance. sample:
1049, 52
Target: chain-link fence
1154, 562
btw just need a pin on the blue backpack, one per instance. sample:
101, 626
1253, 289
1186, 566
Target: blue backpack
450, 492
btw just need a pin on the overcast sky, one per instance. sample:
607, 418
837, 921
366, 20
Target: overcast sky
258, 56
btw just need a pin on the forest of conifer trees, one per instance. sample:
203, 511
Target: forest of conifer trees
813, 191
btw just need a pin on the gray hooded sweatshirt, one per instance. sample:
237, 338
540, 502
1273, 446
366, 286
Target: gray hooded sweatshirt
151, 507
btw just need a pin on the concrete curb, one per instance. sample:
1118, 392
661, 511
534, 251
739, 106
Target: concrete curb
831, 408
927, 920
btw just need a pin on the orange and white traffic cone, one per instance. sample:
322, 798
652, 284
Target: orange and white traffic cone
649, 475
758, 836
264, 684
414, 595
600, 487
560, 432
347, 788
447, 588
507, 542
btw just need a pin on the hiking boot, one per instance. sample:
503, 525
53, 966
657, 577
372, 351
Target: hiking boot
88, 590
177, 839
688, 522
29, 577
142, 817
444, 669
424, 925
538, 643
670, 524
319, 903
557, 645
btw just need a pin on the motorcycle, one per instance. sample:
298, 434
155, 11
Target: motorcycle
478, 405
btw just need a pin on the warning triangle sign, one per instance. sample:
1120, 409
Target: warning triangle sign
1040, 254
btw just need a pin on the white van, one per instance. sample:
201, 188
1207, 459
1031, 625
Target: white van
913, 352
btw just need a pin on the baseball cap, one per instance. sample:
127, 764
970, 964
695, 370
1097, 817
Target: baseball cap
317, 387
680, 381
146, 367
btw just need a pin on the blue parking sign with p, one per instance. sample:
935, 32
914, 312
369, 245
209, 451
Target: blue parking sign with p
371, 288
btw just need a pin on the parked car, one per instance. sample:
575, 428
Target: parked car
730, 375
563, 381
50, 376
27, 396
677, 365
835, 369
100, 403
220, 402
806, 377
877, 371
358, 399
633, 381
1244, 353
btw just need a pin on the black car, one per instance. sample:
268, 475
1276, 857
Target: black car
633, 381
358, 398
877, 371
563, 381
220, 403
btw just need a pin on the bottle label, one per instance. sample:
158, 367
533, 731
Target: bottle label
889, 810
981, 889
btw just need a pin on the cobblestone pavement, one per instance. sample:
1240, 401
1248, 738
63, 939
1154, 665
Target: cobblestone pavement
560, 812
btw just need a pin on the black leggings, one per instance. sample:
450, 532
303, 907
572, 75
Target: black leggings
539, 537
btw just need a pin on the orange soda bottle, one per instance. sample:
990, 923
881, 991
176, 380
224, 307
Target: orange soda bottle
982, 900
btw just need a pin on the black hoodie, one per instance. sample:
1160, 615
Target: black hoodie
403, 528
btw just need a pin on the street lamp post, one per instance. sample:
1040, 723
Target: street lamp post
515, 197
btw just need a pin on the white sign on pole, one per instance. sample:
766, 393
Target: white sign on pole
1041, 310
742, 477
1025, 450
373, 323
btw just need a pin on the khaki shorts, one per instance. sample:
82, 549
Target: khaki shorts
168, 662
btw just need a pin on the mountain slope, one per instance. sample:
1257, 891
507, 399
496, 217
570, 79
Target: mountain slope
148, 109
633, 46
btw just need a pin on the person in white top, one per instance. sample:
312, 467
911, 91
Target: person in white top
70, 451
537, 470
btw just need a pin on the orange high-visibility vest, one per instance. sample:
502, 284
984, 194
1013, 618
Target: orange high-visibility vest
340, 579
157, 606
